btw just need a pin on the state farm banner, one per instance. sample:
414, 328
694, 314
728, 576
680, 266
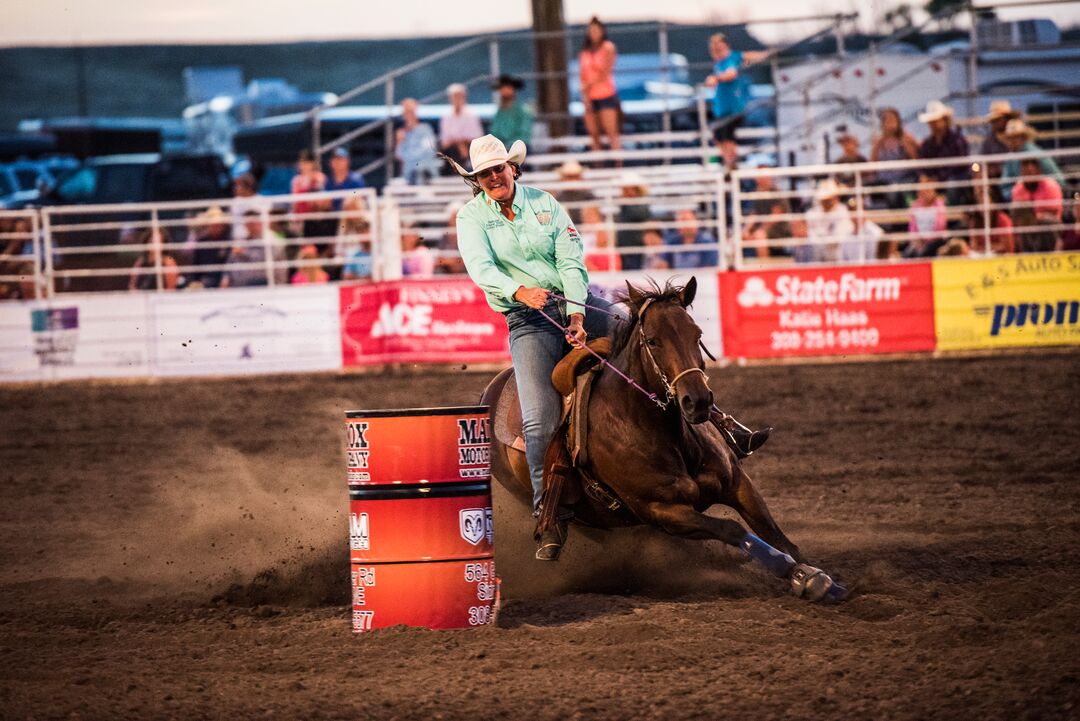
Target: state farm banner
1015, 300
848, 310
419, 321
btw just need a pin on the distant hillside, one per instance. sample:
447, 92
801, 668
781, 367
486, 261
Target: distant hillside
145, 80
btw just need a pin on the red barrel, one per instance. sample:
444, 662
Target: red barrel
421, 539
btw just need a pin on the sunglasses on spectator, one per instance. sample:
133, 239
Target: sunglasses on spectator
488, 172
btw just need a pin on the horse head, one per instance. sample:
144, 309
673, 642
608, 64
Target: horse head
667, 339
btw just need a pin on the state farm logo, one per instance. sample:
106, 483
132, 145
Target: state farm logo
416, 320
755, 292
793, 290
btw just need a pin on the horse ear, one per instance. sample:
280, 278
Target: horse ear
633, 295
686, 295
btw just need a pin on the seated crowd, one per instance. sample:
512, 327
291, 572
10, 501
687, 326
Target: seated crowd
957, 208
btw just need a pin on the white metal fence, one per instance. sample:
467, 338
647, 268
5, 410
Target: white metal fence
650, 218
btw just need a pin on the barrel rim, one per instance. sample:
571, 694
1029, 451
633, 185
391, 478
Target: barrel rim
419, 491
410, 412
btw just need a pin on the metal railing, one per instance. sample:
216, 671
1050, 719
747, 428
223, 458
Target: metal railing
877, 213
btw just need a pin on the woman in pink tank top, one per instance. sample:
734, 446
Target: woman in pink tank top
597, 66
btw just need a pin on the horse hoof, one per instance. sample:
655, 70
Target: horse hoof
813, 584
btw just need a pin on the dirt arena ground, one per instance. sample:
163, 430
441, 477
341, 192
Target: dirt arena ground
178, 550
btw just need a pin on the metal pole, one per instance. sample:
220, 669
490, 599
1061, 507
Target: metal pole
838, 33
35, 239
736, 220
973, 62
155, 243
493, 58
721, 223
872, 69
987, 217
774, 68
268, 246
703, 128
316, 136
49, 270
665, 75
860, 215
388, 135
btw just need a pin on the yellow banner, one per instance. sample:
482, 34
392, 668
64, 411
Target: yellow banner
1015, 300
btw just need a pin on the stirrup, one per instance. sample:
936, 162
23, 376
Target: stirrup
549, 544
741, 439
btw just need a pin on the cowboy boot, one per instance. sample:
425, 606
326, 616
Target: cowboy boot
549, 543
741, 439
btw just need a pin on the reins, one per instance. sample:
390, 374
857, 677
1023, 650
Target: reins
669, 386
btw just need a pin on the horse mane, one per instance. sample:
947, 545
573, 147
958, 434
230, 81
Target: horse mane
623, 333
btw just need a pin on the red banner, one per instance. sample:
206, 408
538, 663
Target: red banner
419, 321
849, 310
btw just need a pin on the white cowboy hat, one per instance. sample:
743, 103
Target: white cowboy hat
1016, 126
488, 151
935, 110
827, 188
631, 179
1001, 108
570, 169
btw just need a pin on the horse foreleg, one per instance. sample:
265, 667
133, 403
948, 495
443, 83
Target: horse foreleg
745, 499
682, 520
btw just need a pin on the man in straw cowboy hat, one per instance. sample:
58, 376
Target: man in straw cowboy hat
519, 245
1001, 112
828, 224
1020, 138
944, 141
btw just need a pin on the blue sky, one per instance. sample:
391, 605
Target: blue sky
66, 22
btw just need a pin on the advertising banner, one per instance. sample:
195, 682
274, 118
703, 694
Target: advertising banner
74, 336
847, 310
246, 330
1016, 300
420, 321
705, 308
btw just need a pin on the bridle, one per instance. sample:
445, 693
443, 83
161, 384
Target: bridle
670, 392
669, 386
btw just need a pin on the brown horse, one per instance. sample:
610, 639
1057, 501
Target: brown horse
659, 460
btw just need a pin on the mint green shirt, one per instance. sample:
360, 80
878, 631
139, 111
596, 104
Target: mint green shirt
539, 249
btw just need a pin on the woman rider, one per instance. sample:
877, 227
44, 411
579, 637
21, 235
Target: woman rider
519, 245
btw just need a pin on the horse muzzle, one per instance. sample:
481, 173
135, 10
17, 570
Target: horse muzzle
695, 407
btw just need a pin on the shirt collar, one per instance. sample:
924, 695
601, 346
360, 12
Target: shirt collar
519, 200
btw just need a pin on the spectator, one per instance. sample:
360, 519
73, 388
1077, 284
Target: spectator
849, 147
894, 143
1037, 209
513, 120
999, 241
309, 179
732, 93
449, 260
597, 70
944, 141
599, 253
994, 142
246, 264
763, 227
309, 272
245, 198
632, 211
827, 225
1020, 137
955, 247
415, 146
688, 233
458, 129
575, 194
353, 225
1070, 239
417, 260
148, 261
212, 244
358, 262
926, 220
864, 243
655, 258
342, 177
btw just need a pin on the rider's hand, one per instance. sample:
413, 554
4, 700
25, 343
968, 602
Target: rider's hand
532, 297
575, 333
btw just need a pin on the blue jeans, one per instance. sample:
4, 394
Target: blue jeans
536, 346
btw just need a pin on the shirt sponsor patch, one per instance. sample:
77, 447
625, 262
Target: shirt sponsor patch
543, 217
492, 224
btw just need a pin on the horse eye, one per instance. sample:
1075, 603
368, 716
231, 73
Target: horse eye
651, 342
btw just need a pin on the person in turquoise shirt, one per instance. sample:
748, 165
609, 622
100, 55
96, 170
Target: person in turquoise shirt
519, 245
513, 120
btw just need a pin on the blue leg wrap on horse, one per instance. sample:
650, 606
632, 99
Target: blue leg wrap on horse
779, 563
